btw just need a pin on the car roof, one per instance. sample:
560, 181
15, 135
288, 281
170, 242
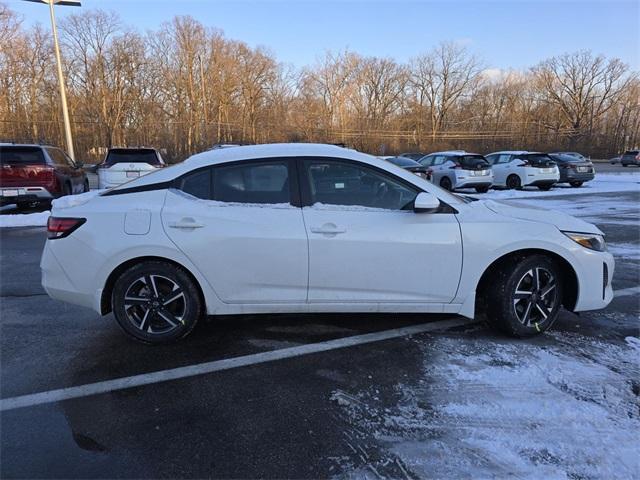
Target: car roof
37, 145
513, 152
451, 152
249, 152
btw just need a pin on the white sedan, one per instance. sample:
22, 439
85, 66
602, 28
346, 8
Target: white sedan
517, 169
314, 228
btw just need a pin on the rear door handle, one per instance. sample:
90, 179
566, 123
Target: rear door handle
186, 223
328, 229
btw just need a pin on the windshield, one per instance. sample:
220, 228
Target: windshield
21, 155
129, 155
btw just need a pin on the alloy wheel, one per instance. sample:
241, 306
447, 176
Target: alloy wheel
155, 304
535, 296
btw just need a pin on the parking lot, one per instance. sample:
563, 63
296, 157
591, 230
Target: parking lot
375, 395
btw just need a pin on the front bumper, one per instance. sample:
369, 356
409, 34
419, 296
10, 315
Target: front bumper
11, 195
594, 281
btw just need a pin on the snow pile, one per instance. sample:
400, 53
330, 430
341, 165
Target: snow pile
568, 409
25, 220
75, 200
602, 183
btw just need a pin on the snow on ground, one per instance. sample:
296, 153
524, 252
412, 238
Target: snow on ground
38, 219
500, 408
602, 183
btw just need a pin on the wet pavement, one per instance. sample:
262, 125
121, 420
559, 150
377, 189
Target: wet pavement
378, 409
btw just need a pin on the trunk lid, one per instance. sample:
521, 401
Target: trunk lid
24, 167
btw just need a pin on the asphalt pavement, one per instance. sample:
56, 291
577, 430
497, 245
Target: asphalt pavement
295, 417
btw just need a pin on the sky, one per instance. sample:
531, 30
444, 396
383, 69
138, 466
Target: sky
513, 34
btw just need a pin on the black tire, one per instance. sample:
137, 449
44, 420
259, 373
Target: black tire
445, 183
545, 188
66, 189
85, 187
508, 313
141, 317
576, 184
482, 189
514, 182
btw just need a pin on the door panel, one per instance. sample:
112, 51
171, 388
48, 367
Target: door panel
382, 256
367, 245
248, 253
243, 234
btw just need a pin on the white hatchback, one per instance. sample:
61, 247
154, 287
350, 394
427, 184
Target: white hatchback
314, 228
517, 169
124, 164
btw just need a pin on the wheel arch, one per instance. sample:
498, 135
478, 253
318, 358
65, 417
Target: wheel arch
570, 282
105, 299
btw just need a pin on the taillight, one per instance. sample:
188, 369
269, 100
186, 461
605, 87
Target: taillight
524, 163
456, 165
638, 157
60, 227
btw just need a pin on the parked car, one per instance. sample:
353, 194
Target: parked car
615, 160
32, 175
517, 169
630, 157
573, 154
458, 169
573, 170
411, 165
314, 228
412, 155
124, 164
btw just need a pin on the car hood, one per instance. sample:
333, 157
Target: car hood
560, 220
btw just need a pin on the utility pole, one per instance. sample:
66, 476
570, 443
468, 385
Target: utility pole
56, 47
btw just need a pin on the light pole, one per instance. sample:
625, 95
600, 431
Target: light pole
56, 47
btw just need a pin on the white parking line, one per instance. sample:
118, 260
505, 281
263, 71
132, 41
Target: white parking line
626, 291
219, 365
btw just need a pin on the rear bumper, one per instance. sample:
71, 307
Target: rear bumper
473, 181
24, 195
577, 177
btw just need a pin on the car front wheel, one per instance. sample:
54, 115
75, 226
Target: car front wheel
525, 296
446, 183
156, 302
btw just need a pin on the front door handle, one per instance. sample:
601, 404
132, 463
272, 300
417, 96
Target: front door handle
328, 229
186, 223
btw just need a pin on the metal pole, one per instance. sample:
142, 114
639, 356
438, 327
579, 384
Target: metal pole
63, 95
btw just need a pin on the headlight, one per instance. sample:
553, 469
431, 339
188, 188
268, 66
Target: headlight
591, 241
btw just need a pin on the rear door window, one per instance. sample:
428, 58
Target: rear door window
253, 182
197, 184
504, 158
21, 155
58, 157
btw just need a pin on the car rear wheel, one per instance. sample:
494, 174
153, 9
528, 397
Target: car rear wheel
514, 182
66, 189
156, 302
576, 184
482, 189
524, 297
85, 188
445, 183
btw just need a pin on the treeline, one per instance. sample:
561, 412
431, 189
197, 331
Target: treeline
185, 87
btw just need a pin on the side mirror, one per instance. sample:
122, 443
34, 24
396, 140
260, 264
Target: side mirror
426, 203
